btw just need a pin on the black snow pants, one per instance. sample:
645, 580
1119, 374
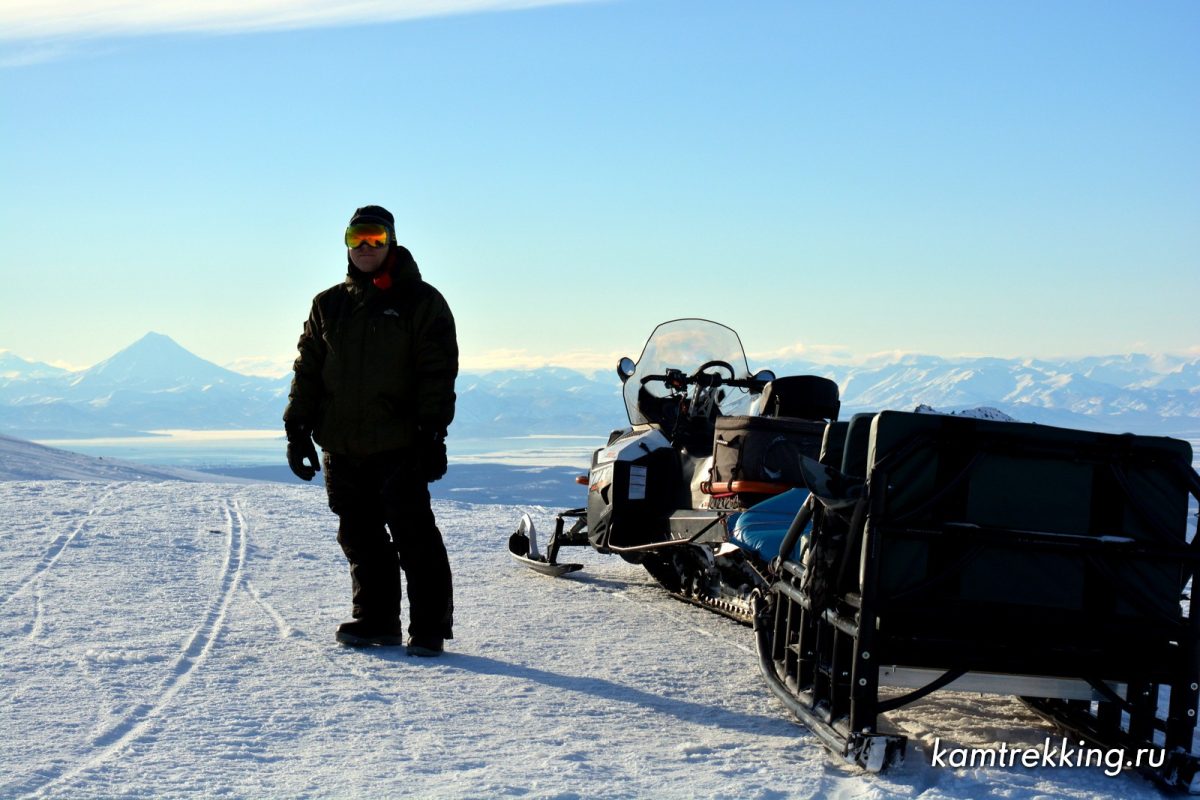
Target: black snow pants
386, 525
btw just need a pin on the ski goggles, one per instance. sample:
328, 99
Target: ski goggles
366, 233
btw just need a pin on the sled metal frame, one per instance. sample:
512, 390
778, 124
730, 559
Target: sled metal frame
1100, 680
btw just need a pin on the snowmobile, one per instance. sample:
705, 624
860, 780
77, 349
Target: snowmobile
702, 485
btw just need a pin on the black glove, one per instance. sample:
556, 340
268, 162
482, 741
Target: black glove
433, 453
300, 450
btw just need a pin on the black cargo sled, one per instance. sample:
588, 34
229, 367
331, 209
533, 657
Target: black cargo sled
946, 553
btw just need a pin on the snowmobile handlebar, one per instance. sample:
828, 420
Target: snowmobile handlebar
679, 381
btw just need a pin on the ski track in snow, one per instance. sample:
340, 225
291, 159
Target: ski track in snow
57, 547
182, 646
281, 624
193, 653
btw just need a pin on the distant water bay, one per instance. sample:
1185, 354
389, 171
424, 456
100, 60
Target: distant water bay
251, 448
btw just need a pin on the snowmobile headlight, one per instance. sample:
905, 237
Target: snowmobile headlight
366, 233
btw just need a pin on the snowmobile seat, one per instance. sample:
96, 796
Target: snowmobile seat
801, 396
1001, 557
761, 528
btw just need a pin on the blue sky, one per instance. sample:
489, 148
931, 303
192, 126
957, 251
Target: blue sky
837, 179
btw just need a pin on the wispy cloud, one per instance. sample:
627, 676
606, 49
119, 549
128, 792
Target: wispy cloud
51, 19
28, 54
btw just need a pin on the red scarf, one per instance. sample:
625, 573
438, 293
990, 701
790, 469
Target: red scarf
383, 278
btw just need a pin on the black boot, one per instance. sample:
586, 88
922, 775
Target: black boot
428, 647
371, 633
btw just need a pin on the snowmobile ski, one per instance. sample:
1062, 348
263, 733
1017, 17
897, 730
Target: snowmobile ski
523, 547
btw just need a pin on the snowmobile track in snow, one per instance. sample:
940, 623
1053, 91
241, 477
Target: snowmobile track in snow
59, 545
673, 609
142, 717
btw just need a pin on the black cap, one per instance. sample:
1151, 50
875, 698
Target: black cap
376, 214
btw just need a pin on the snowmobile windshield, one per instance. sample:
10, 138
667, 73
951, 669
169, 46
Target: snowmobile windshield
685, 345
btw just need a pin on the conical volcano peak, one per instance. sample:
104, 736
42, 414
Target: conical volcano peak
155, 361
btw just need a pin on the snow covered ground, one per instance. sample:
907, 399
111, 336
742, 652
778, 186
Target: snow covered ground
175, 639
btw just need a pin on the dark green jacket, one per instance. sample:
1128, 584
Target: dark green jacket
375, 364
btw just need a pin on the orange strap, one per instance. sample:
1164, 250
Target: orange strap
744, 487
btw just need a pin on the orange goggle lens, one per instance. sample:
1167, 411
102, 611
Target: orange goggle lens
371, 235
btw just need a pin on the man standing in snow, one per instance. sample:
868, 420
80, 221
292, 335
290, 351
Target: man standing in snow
374, 386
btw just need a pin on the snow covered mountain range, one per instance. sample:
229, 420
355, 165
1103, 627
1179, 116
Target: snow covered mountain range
155, 383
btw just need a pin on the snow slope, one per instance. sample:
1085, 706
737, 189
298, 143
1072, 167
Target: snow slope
22, 460
175, 639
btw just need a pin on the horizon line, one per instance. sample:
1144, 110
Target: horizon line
587, 362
